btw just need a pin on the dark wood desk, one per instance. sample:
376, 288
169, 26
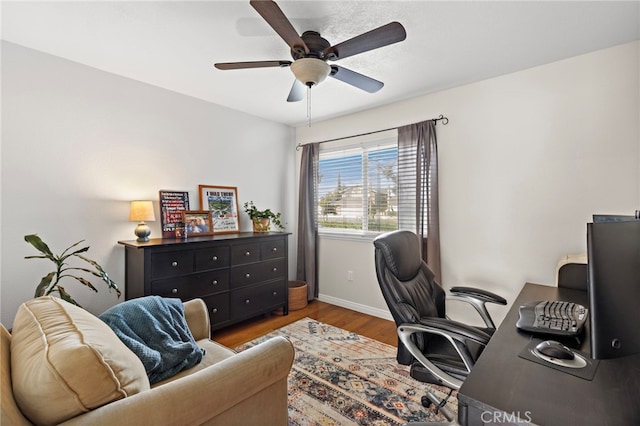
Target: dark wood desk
506, 389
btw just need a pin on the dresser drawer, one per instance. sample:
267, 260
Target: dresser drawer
218, 306
245, 253
244, 275
171, 263
272, 249
212, 258
191, 286
245, 302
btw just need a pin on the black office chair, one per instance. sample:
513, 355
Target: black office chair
440, 351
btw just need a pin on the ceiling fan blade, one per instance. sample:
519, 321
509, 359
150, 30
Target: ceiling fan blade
297, 91
274, 16
381, 36
252, 64
358, 80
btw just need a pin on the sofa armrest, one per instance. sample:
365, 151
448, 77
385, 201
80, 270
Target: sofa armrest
206, 396
197, 317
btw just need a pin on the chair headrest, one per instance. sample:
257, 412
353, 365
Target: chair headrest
401, 253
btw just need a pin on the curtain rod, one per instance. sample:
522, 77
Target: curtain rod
444, 119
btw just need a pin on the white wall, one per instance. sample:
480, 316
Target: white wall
525, 160
78, 144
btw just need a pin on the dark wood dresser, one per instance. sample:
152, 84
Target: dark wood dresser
239, 276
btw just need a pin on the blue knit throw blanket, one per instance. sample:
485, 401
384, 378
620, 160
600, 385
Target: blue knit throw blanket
155, 329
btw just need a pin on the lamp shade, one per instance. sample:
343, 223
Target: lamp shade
141, 211
310, 71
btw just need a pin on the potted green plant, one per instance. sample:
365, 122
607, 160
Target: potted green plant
262, 219
50, 283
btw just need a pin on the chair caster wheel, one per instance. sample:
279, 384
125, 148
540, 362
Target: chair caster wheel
426, 402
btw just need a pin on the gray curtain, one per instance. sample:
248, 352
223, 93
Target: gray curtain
418, 179
307, 269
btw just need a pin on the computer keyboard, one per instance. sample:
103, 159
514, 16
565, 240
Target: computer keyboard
552, 317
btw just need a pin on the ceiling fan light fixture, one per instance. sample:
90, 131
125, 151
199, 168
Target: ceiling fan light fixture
310, 71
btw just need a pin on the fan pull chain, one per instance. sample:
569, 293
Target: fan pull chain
309, 104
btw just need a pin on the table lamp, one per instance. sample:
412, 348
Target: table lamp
141, 211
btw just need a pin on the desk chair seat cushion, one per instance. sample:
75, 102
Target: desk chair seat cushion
440, 352
449, 366
55, 347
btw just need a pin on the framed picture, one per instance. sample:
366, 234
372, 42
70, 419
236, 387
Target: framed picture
197, 222
172, 204
222, 202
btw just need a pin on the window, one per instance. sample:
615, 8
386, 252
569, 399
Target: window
357, 187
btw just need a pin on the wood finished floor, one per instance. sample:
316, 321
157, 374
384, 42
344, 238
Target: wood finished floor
366, 325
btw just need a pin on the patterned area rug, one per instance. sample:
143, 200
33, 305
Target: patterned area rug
341, 378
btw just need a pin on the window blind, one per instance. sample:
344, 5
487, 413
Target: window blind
357, 189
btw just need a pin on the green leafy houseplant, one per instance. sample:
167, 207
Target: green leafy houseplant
259, 215
51, 282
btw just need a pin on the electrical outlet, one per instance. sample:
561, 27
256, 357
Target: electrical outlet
349, 275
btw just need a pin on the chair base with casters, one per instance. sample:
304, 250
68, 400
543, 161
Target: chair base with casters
440, 351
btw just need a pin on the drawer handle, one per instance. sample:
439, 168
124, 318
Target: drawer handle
247, 275
274, 249
247, 301
275, 269
214, 310
174, 263
214, 258
214, 282
174, 290
248, 253
275, 293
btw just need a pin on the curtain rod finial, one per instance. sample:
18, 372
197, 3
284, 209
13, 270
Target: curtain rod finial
444, 119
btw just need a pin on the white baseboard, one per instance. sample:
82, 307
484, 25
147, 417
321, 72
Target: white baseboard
376, 312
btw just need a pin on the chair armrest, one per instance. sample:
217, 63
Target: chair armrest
480, 294
455, 332
477, 298
197, 317
201, 397
456, 329
405, 332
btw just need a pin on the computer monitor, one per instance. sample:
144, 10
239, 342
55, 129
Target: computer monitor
614, 288
597, 218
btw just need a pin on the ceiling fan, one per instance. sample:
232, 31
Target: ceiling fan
311, 52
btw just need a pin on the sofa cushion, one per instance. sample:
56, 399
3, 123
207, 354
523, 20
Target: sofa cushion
65, 361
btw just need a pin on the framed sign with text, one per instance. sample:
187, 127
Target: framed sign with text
172, 204
222, 202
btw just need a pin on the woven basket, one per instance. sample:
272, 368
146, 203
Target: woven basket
297, 295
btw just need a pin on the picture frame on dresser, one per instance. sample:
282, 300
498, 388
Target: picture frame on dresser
172, 204
222, 202
197, 223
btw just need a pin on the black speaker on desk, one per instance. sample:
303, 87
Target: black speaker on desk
614, 288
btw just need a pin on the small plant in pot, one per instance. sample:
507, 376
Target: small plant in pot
50, 283
262, 219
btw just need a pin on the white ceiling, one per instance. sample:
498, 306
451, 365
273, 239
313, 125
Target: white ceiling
174, 44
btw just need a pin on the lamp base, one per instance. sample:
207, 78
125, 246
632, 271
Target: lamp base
142, 231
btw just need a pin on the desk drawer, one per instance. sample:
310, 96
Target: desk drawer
257, 272
212, 258
171, 263
191, 286
245, 302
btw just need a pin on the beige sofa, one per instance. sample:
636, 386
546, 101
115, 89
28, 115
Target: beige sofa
100, 381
